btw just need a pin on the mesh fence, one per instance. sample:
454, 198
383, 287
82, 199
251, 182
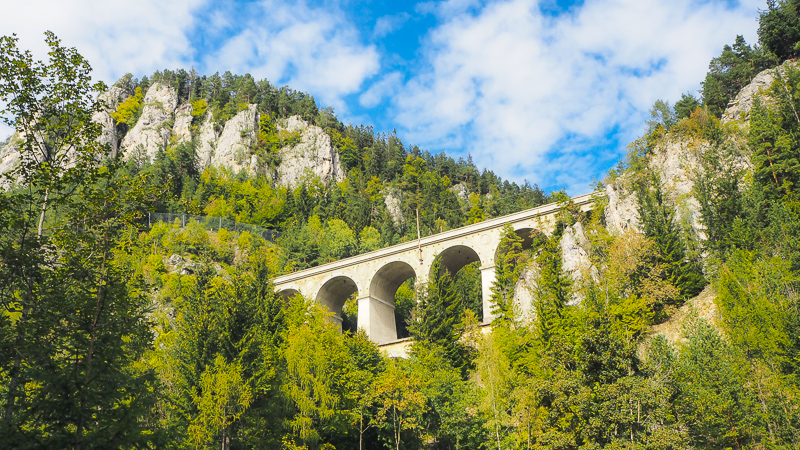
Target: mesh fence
213, 223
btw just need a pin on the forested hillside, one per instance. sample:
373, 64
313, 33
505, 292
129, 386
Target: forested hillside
667, 317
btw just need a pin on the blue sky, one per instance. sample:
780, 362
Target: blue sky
547, 91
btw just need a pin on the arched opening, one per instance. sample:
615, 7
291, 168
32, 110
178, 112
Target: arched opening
334, 293
286, 294
386, 287
526, 234
464, 265
458, 256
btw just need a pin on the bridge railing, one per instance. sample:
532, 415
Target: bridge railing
213, 223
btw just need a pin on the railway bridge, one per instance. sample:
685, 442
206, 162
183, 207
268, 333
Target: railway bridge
375, 276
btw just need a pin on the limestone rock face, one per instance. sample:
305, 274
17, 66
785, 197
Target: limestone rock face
575, 255
206, 142
621, 212
678, 163
182, 130
313, 156
392, 198
151, 131
462, 192
9, 156
238, 136
738, 110
111, 99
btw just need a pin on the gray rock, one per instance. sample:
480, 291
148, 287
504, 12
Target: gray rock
233, 148
621, 212
9, 158
678, 163
111, 100
314, 156
151, 132
206, 142
524, 307
738, 110
182, 130
575, 256
392, 198
462, 191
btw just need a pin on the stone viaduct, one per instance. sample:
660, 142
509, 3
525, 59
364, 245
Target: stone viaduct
375, 276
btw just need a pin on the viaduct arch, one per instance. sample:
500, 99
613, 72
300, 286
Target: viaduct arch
375, 276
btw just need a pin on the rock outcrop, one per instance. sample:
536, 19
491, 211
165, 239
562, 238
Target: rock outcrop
314, 155
575, 256
621, 212
9, 155
163, 121
677, 161
152, 131
237, 138
462, 192
111, 100
182, 130
738, 110
206, 142
392, 198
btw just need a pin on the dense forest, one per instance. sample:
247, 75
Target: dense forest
116, 333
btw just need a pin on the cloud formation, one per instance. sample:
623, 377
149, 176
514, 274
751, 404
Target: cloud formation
116, 37
555, 98
310, 49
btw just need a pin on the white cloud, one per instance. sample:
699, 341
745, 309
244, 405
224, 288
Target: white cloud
388, 24
387, 86
116, 37
534, 96
311, 50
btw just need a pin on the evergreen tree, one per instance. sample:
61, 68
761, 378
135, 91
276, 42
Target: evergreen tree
78, 322
438, 318
658, 222
507, 272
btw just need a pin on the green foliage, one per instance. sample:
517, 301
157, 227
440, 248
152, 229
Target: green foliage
730, 72
199, 109
686, 106
130, 109
779, 28
507, 271
438, 319
78, 323
659, 225
773, 138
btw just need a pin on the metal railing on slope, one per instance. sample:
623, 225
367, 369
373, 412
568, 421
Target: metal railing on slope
213, 223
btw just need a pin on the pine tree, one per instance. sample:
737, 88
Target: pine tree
438, 317
658, 221
507, 272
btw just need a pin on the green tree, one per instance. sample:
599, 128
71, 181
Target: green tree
773, 138
221, 400
78, 320
732, 70
779, 28
659, 225
401, 403
439, 318
507, 272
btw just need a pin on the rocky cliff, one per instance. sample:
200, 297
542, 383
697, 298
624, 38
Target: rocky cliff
165, 121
